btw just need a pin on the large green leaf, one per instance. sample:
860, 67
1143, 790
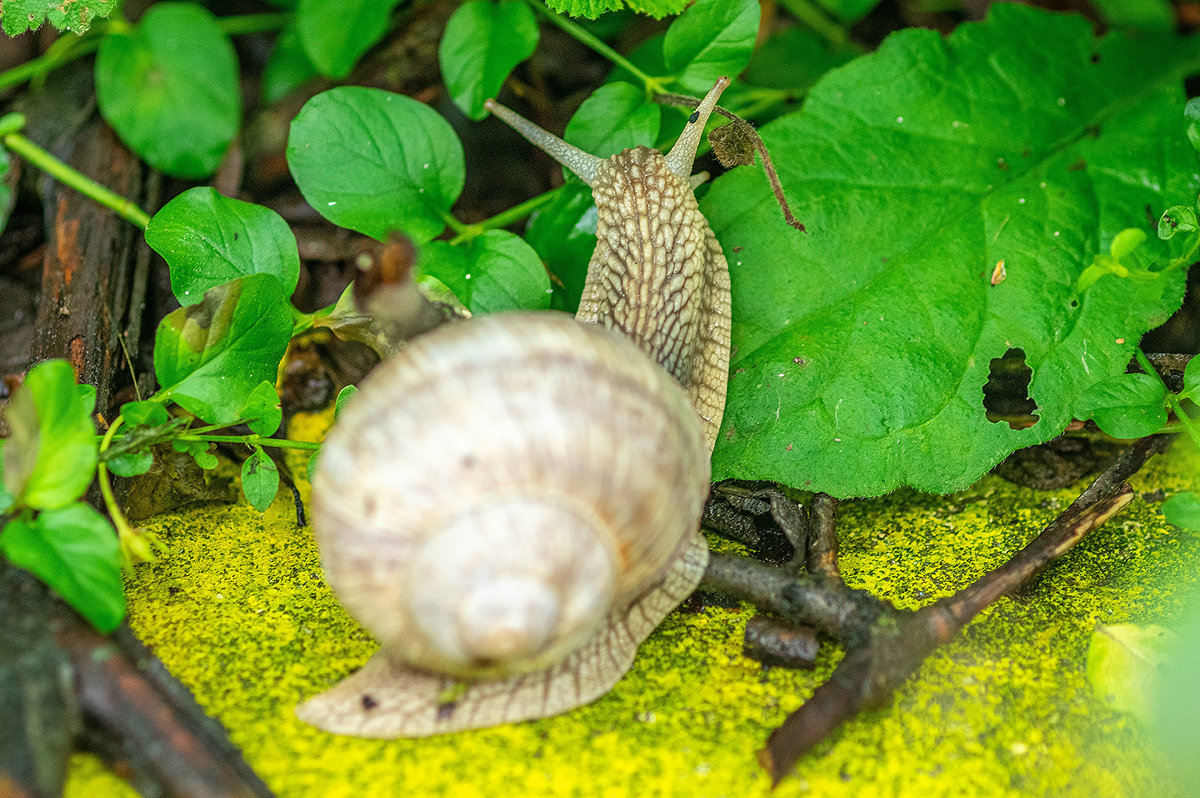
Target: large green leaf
862, 348
170, 89
211, 357
208, 239
50, 457
75, 16
75, 551
484, 40
375, 162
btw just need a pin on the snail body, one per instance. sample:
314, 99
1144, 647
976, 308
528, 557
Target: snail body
511, 504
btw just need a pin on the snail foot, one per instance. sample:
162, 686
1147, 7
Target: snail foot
385, 699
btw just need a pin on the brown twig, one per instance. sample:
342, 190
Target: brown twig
885, 646
822, 544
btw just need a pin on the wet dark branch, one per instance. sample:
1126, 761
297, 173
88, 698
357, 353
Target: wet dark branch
807, 599
1107, 494
884, 646
822, 542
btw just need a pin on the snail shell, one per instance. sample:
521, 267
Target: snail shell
516, 500
498, 496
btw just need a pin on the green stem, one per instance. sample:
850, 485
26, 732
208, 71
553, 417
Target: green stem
653, 85
124, 529
505, 218
1186, 258
252, 440
453, 223
44, 63
252, 23
69, 177
817, 20
301, 322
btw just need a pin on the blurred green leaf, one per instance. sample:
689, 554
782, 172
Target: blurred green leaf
1183, 510
1155, 16
50, 457
1122, 665
170, 89
483, 41
288, 67
336, 33
376, 162
74, 550
208, 239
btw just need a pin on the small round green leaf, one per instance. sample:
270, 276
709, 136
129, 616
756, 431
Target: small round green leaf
375, 162
170, 89
1183, 510
344, 395
75, 16
200, 451
496, 271
1177, 219
1191, 376
211, 356
1125, 406
144, 414
74, 550
1123, 662
336, 33
51, 453
260, 479
131, 464
616, 117
208, 239
712, 38
262, 411
1191, 114
484, 40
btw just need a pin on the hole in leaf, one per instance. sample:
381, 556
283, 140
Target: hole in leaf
1006, 394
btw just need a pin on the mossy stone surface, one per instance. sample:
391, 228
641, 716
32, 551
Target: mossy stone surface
239, 611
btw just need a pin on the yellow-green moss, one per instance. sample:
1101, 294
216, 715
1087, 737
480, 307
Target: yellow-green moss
240, 613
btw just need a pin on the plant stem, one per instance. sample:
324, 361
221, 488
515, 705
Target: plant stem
454, 224
252, 23
505, 218
253, 440
574, 30
125, 531
817, 20
44, 63
43, 160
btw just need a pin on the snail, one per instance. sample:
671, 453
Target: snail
512, 503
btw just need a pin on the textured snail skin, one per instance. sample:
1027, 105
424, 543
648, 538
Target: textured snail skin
611, 445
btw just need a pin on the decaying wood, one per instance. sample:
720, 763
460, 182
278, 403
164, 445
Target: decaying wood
62, 685
885, 646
